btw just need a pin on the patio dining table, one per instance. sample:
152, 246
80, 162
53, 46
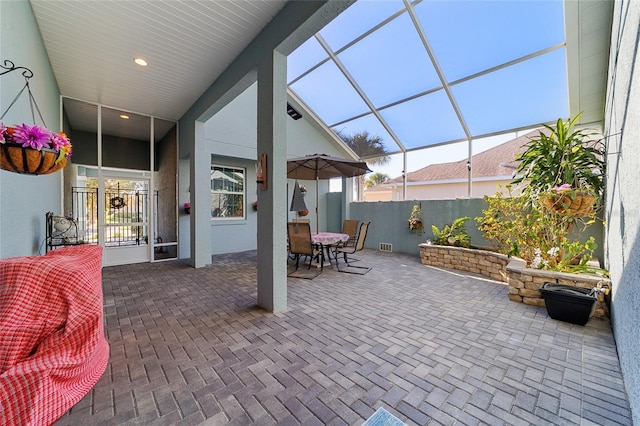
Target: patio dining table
327, 240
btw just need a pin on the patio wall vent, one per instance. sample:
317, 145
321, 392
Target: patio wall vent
388, 247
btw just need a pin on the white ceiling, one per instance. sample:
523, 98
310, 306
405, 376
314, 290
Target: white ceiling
92, 44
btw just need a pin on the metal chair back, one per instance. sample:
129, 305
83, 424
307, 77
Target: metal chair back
350, 227
362, 235
359, 245
300, 242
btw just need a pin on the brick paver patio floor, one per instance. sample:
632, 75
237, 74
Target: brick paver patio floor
189, 346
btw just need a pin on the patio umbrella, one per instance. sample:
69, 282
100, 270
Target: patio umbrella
321, 166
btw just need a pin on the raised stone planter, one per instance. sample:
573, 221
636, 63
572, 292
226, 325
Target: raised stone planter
489, 264
524, 283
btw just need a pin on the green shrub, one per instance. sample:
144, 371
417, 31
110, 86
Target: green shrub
544, 239
453, 234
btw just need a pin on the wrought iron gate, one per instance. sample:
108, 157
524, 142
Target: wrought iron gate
124, 213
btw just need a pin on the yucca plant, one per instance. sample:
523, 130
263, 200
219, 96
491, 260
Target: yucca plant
562, 157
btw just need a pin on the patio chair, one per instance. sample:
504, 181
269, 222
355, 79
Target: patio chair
350, 226
292, 256
346, 250
300, 243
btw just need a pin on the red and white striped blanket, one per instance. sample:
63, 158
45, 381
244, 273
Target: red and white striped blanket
52, 344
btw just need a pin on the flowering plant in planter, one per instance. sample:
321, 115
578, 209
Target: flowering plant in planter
33, 149
561, 172
30, 149
541, 237
415, 220
36, 137
562, 161
567, 201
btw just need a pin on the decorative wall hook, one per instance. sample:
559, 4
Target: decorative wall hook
7, 67
10, 66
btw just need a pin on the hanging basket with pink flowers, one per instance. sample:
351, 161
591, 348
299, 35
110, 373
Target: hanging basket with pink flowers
574, 205
566, 201
30, 149
32, 153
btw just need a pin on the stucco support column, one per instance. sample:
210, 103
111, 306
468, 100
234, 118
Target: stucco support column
272, 213
347, 197
200, 191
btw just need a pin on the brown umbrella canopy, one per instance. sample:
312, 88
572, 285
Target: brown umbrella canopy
321, 166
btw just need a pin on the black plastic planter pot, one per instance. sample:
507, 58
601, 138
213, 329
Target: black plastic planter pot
567, 303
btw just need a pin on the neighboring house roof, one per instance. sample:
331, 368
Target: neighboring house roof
494, 162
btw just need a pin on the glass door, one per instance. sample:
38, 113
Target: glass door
124, 223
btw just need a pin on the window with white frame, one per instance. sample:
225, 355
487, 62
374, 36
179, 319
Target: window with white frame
227, 192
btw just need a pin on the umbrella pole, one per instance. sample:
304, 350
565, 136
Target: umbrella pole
317, 198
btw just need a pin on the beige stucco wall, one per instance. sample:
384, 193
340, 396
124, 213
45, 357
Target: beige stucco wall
376, 196
437, 191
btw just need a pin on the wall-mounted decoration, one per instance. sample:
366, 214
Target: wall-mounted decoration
261, 171
117, 202
297, 200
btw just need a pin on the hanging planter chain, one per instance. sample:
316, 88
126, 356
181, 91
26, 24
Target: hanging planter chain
27, 74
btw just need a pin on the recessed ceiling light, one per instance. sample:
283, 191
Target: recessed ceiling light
124, 116
140, 62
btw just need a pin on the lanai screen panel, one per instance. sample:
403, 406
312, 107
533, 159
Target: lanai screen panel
426, 73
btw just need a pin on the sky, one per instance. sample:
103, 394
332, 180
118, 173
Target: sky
437, 72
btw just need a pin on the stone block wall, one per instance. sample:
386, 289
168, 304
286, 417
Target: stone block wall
524, 283
483, 262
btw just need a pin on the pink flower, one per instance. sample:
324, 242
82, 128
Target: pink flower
563, 187
66, 150
34, 137
59, 141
